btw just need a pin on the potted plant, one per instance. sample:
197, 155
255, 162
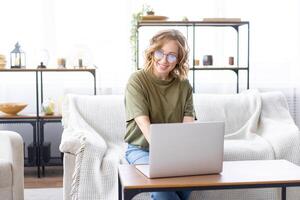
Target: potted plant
136, 17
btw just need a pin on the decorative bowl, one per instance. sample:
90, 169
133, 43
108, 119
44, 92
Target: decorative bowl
12, 108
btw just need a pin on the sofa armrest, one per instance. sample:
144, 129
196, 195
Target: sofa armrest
278, 127
69, 166
69, 145
11, 149
71, 141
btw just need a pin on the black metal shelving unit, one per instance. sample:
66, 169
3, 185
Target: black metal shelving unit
38, 120
44, 119
192, 25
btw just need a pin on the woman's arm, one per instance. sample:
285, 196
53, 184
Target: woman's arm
144, 124
188, 119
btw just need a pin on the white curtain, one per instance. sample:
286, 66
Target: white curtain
95, 30
99, 32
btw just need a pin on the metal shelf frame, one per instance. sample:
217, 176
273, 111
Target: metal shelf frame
192, 25
37, 120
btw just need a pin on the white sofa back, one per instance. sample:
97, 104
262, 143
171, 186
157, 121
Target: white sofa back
104, 113
234, 109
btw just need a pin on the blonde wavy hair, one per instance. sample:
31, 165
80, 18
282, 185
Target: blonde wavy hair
156, 43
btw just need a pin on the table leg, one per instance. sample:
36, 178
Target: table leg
125, 194
41, 147
119, 188
283, 193
36, 148
129, 194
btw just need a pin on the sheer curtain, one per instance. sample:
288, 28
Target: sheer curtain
96, 30
99, 31
275, 49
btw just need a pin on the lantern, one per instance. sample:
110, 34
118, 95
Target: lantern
17, 57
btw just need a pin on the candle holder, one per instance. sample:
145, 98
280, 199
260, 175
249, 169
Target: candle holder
17, 57
231, 60
41, 66
61, 62
207, 60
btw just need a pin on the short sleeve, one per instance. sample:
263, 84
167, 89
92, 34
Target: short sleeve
136, 103
189, 105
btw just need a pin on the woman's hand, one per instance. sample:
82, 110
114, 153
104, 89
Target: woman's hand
144, 124
188, 119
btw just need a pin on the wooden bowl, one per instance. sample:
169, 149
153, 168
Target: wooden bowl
12, 108
2, 66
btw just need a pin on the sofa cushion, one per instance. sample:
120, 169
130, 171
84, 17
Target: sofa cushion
5, 174
234, 109
245, 149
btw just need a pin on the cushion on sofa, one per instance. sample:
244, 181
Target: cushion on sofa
234, 109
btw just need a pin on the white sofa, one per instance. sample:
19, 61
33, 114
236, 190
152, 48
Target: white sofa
11, 166
257, 126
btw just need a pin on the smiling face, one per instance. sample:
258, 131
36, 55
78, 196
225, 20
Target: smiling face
163, 62
166, 56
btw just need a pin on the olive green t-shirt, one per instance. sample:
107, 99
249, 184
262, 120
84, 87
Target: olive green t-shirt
164, 101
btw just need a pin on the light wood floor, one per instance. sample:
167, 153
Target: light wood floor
53, 177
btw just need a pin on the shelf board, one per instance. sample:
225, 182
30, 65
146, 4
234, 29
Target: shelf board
66, 70
17, 70
48, 70
54, 116
219, 68
189, 23
29, 116
19, 116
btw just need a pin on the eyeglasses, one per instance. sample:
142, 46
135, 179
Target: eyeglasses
159, 54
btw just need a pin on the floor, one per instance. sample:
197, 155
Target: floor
53, 177
43, 194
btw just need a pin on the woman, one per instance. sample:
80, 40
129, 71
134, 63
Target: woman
159, 93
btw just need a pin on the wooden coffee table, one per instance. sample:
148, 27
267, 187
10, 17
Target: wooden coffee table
235, 175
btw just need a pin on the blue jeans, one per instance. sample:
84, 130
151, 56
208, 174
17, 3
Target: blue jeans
136, 155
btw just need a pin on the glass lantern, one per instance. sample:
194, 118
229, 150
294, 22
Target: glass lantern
17, 57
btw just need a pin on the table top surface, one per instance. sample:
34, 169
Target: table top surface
234, 173
29, 116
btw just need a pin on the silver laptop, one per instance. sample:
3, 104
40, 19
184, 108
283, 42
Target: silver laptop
183, 149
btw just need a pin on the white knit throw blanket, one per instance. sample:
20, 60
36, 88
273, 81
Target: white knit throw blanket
258, 126
267, 127
97, 157
253, 116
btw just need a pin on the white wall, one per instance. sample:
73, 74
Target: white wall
99, 31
